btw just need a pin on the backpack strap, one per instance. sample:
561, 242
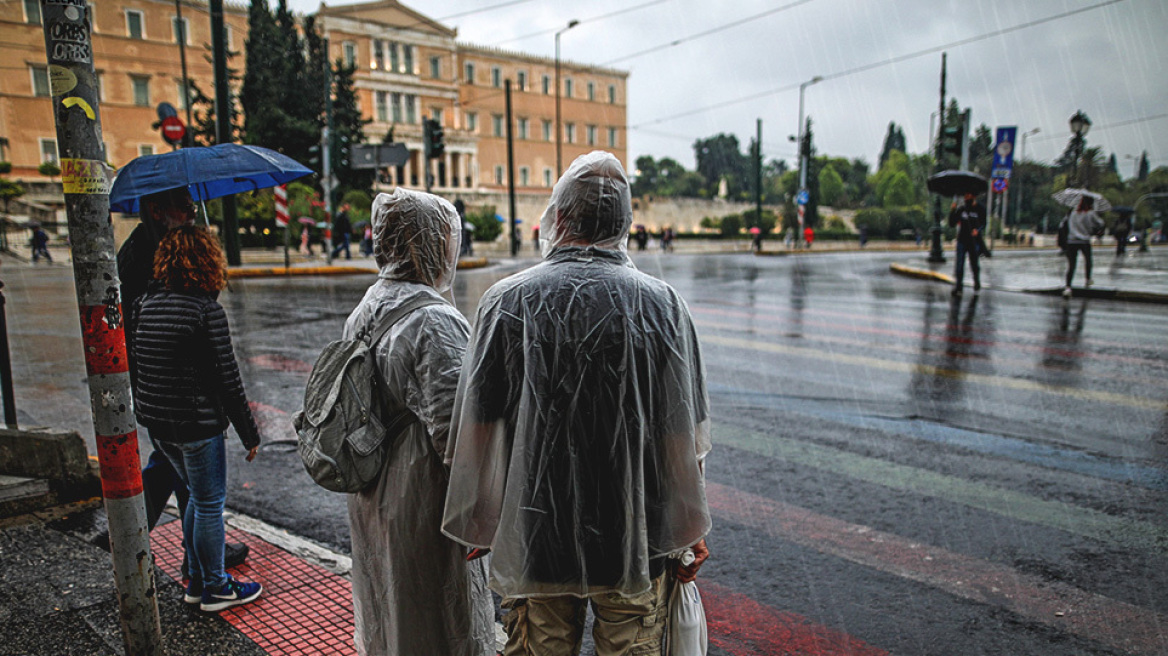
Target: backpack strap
378, 329
395, 419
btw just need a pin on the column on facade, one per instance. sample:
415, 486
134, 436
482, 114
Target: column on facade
447, 180
472, 169
407, 170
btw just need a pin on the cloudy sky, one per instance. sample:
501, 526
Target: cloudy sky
1013, 63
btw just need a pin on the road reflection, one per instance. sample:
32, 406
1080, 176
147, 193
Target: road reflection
1062, 356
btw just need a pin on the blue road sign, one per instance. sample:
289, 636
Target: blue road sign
804, 197
1004, 151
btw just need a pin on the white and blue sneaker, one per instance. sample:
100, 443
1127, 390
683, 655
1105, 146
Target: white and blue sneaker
233, 593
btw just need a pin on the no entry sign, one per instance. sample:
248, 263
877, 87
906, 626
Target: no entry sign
173, 130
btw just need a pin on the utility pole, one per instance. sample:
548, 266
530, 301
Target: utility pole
326, 161
511, 171
758, 176
935, 253
86, 184
223, 124
189, 135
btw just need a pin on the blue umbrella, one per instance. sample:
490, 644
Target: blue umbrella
206, 172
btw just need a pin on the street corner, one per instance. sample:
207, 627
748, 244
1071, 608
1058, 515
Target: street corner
919, 272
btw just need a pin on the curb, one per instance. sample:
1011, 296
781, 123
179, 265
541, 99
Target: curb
281, 272
1079, 292
924, 274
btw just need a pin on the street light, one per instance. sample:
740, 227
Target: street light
559, 156
1080, 124
1136, 167
1021, 155
802, 152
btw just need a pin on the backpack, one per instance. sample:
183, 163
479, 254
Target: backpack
1064, 233
346, 428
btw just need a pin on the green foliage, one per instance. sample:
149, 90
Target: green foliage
487, 227
711, 223
50, 169
361, 202
666, 177
893, 223
349, 128
898, 191
831, 186
835, 224
730, 225
981, 150
720, 157
9, 190
893, 140
5, 168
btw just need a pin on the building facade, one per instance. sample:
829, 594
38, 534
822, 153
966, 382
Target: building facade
409, 67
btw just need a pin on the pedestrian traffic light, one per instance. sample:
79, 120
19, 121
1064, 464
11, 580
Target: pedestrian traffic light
433, 138
953, 138
314, 156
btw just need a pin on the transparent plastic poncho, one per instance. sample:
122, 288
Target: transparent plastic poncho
413, 591
582, 416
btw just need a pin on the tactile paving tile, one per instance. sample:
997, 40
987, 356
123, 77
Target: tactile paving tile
305, 609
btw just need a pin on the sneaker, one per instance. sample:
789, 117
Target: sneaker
233, 593
194, 592
1067, 292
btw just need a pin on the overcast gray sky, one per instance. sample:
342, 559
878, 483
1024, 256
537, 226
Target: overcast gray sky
1108, 61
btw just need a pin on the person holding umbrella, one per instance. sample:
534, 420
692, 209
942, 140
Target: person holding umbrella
1082, 224
970, 221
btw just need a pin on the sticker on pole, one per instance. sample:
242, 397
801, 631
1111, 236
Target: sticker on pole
61, 80
84, 176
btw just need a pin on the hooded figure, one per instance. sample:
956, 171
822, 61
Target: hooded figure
580, 423
413, 590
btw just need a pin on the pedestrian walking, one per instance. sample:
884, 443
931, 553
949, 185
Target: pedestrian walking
667, 236
413, 590
535, 238
1081, 224
580, 430
808, 236
970, 220
863, 237
342, 232
1121, 229
40, 245
188, 391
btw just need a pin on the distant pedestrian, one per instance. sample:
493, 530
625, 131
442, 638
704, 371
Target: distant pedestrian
535, 238
40, 245
667, 239
466, 228
863, 237
1082, 224
917, 236
367, 241
970, 220
789, 238
305, 240
342, 232
1121, 229
808, 237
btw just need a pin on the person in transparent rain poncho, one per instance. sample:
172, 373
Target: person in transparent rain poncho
580, 429
413, 590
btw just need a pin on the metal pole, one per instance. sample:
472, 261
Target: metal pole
223, 125
85, 183
758, 178
6, 368
559, 155
936, 254
188, 136
511, 171
326, 154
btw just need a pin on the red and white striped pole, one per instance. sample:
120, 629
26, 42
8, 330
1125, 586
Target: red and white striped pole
282, 220
86, 186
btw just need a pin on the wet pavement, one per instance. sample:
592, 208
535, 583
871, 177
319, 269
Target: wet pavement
895, 470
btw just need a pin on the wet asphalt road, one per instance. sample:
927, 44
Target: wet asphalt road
895, 471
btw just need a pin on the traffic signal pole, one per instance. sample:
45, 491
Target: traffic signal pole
511, 172
936, 254
85, 181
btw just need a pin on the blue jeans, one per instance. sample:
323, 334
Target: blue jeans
203, 467
962, 251
342, 245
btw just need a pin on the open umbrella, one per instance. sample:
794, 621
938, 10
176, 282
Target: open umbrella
754, 230
206, 172
307, 220
1071, 197
956, 183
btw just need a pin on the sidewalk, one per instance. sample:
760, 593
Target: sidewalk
1135, 276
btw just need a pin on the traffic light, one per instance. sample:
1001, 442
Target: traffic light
433, 138
314, 156
953, 138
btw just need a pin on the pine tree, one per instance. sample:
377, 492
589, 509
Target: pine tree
811, 216
893, 140
981, 153
349, 128
260, 95
1113, 164
1143, 172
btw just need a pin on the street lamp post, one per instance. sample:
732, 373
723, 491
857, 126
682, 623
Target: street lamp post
1080, 124
559, 155
802, 151
1021, 155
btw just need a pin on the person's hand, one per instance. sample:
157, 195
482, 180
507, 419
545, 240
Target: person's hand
952, 206
973, 232
252, 453
688, 573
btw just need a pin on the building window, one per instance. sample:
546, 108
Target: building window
521, 80
436, 67
181, 30
611, 94
498, 174
350, 50
229, 36
612, 137
496, 76
145, 149
183, 98
378, 63
547, 130
522, 128
135, 28
570, 132
547, 177
49, 151
590, 135
469, 73
472, 122
40, 80
524, 176
381, 104
394, 62
395, 103
591, 91
436, 114
411, 108
141, 87
568, 87
546, 81
32, 11
497, 125
408, 59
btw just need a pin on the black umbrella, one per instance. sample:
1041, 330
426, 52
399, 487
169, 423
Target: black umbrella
956, 183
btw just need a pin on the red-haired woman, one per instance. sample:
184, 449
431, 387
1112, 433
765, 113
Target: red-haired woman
189, 389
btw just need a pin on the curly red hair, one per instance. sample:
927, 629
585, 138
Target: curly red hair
189, 259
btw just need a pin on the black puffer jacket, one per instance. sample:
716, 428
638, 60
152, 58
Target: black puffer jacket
188, 381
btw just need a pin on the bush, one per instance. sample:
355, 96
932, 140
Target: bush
893, 222
5, 168
487, 227
730, 225
50, 169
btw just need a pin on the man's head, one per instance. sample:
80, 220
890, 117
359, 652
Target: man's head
168, 209
590, 205
970, 199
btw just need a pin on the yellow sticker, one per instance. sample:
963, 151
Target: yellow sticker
84, 176
61, 80
74, 101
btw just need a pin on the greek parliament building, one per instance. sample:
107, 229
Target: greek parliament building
409, 67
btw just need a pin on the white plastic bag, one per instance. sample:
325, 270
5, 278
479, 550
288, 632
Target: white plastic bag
686, 631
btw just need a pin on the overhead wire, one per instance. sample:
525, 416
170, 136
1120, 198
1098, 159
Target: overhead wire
582, 21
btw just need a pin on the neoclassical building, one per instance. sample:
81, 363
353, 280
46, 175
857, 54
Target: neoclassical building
409, 67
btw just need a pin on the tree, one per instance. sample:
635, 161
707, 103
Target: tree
9, 190
811, 213
1113, 164
1143, 172
898, 190
349, 128
981, 150
719, 157
831, 186
893, 140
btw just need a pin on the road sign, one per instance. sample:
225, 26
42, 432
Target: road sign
377, 156
1001, 173
173, 130
282, 206
1004, 150
1001, 184
804, 197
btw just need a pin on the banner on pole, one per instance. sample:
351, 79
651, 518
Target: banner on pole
1003, 164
